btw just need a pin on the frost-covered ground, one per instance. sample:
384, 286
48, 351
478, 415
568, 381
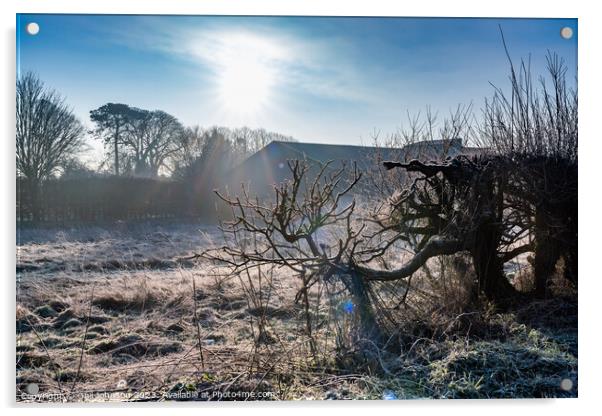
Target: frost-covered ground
118, 246
112, 309
109, 312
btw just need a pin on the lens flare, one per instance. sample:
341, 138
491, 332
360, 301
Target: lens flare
348, 306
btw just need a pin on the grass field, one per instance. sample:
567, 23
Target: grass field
109, 313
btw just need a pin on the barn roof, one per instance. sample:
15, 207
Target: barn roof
269, 165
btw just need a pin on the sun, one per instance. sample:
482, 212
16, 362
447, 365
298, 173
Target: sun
244, 87
246, 76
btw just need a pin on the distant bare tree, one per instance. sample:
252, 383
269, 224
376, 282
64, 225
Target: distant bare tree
47, 133
153, 136
242, 142
191, 142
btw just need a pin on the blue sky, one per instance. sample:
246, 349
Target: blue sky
332, 80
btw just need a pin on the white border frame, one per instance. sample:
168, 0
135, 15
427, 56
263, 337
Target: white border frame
590, 23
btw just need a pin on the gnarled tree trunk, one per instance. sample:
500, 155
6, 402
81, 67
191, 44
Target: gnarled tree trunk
492, 281
367, 327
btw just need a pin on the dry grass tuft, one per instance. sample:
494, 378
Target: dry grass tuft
136, 298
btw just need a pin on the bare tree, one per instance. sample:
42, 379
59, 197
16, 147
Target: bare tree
48, 133
308, 228
312, 228
454, 206
191, 143
155, 137
145, 138
537, 128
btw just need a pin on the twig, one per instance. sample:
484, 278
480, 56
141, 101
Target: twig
81, 355
196, 323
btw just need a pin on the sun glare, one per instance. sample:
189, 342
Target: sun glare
244, 87
246, 75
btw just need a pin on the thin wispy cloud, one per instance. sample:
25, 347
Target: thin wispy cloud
319, 67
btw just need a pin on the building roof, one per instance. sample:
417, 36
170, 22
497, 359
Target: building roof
269, 165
